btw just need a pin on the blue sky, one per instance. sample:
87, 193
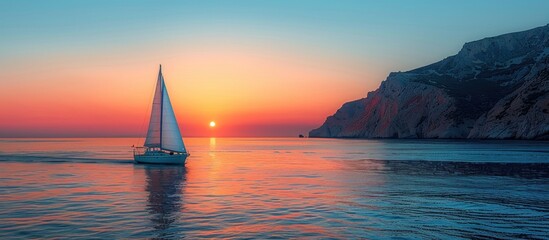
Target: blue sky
401, 34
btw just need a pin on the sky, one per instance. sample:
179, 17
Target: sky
256, 68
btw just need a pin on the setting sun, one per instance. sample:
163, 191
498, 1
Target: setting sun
212, 124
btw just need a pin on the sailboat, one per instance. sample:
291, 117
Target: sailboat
164, 144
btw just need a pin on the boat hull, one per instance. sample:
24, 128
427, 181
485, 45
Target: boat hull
176, 159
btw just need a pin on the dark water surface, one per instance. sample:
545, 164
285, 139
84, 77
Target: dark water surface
276, 188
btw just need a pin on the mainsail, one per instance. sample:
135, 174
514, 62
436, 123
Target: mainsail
163, 129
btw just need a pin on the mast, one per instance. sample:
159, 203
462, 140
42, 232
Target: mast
161, 102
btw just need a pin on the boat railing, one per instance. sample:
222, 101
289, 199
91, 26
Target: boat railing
148, 150
138, 150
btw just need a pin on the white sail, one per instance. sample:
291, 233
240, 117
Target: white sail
163, 129
153, 134
171, 137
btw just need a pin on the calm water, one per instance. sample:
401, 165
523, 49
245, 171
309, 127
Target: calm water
276, 188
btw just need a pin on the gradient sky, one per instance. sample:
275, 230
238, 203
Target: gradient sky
257, 68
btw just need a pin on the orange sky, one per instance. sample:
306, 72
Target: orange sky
248, 91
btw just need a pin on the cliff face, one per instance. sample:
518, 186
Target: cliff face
523, 114
493, 88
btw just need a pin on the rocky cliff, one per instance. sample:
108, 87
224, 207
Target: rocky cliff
496, 87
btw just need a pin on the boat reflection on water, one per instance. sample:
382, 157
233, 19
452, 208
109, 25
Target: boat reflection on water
164, 184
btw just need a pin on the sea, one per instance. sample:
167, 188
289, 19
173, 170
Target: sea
276, 188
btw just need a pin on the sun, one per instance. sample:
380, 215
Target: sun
212, 124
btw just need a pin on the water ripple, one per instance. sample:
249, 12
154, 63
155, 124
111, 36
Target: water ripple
297, 193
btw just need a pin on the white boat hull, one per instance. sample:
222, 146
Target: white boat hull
178, 159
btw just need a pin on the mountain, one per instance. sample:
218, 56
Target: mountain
495, 88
